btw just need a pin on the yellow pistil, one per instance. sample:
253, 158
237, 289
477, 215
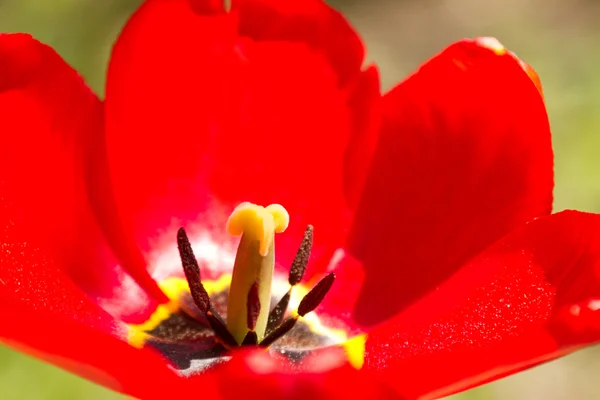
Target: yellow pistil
254, 263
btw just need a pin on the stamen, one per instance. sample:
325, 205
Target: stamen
199, 294
296, 273
277, 313
220, 329
192, 271
253, 305
279, 332
307, 304
316, 295
302, 256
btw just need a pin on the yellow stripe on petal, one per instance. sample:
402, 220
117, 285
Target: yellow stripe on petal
137, 334
355, 350
174, 288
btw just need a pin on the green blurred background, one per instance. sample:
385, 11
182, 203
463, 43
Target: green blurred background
557, 37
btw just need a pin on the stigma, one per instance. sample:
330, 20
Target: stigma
258, 223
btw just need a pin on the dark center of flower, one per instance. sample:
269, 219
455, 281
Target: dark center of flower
203, 325
277, 327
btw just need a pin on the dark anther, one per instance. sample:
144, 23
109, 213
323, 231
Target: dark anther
220, 329
192, 271
188, 259
251, 339
277, 313
316, 295
279, 332
197, 290
302, 256
253, 306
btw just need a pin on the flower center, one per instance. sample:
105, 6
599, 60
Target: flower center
192, 332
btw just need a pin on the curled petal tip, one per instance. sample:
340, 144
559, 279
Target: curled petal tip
498, 48
492, 44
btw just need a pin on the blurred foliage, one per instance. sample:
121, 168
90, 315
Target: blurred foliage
25, 378
558, 37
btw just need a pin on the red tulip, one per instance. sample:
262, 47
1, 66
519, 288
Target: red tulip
430, 204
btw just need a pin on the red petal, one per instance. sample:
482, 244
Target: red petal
274, 378
336, 310
464, 156
27, 274
203, 114
45, 314
86, 351
47, 115
366, 104
531, 297
51, 124
308, 21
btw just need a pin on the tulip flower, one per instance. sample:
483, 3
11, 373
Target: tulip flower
246, 215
